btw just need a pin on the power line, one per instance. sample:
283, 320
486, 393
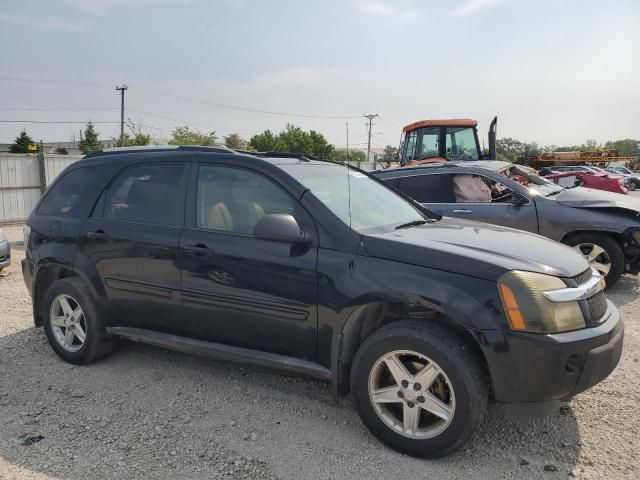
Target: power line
52, 108
52, 121
181, 97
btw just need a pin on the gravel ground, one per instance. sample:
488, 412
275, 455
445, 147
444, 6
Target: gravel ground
145, 412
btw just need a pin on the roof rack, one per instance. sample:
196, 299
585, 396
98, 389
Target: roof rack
158, 148
300, 156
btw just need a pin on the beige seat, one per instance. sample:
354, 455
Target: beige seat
219, 218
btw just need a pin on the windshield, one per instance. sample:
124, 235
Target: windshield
374, 207
461, 144
532, 181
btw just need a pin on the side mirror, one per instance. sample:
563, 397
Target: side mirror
281, 227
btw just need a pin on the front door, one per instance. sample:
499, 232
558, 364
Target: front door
471, 196
132, 239
238, 289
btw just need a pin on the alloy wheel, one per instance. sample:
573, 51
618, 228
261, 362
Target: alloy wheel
597, 256
411, 394
68, 323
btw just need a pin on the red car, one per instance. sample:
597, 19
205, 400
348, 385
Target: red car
584, 178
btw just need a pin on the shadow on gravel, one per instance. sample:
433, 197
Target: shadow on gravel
625, 291
150, 413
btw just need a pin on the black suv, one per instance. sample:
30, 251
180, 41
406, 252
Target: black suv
317, 268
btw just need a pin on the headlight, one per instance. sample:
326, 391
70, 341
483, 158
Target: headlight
635, 234
529, 310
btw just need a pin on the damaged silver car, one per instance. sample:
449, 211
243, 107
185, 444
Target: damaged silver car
604, 226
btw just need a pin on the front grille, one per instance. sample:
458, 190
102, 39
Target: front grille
584, 277
597, 307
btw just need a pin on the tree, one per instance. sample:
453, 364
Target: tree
354, 156
186, 136
136, 137
89, 141
626, 147
22, 144
235, 141
266, 142
390, 154
512, 150
293, 139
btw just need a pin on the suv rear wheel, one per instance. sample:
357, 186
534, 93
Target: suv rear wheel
419, 388
602, 252
73, 324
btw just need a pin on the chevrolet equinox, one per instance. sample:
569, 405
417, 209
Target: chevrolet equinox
316, 268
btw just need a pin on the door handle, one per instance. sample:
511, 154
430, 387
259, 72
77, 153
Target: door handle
199, 250
97, 235
462, 210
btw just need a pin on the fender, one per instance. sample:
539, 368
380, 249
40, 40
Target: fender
382, 291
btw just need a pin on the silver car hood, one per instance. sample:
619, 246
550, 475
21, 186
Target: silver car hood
590, 198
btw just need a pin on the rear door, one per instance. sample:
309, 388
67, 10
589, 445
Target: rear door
471, 196
238, 289
132, 239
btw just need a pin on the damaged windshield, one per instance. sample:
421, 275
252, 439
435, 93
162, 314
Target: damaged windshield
528, 178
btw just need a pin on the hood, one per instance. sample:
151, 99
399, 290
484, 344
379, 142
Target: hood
590, 198
475, 249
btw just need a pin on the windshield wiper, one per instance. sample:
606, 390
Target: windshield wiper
412, 223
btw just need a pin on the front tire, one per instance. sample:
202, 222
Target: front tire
602, 252
419, 388
73, 323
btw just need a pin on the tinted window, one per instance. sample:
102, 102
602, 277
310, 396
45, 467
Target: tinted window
147, 194
428, 188
73, 195
234, 200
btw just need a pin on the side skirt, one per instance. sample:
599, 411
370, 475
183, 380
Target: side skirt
220, 351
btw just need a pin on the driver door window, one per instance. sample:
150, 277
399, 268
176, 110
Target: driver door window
234, 200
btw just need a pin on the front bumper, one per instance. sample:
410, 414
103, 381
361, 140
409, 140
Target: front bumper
5, 254
531, 368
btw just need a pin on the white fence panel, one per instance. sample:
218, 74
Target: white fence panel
20, 182
55, 164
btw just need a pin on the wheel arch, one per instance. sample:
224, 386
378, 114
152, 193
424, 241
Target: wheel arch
52, 272
366, 319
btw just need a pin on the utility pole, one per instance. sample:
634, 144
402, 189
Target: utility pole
122, 89
370, 117
347, 143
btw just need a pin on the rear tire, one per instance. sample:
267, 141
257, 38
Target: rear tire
454, 386
610, 263
73, 323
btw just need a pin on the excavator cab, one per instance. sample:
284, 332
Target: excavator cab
434, 141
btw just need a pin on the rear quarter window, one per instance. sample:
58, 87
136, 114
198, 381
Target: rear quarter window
73, 194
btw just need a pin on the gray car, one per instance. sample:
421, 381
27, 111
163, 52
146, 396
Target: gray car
604, 226
5, 251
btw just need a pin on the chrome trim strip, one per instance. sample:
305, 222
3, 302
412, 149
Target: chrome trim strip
581, 292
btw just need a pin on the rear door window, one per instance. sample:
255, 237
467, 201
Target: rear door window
436, 188
73, 195
152, 194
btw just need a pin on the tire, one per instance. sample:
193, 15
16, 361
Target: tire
462, 386
582, 241
96, 344
631, 186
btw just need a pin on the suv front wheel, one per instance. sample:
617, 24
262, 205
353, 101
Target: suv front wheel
73, 324
419, 388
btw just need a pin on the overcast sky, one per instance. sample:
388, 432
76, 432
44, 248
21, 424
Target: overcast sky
554, 71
